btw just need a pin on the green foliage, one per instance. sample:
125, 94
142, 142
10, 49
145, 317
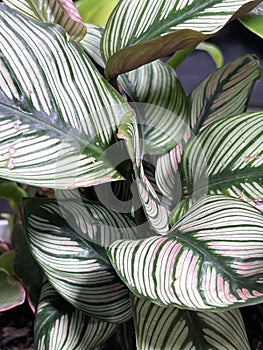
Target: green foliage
157, 210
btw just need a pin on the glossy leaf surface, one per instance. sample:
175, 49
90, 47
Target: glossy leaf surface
62, 240
91, 43
57, 114
158, 28
210, 260
62, 12
226, 158
225, 92
59, 326
160, 104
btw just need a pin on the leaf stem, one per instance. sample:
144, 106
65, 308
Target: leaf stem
179, 56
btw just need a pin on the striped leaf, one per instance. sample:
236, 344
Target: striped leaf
212, 259
60, 238
171, 328
157, 28
167, 174
62, 12
91, 43
57, 114
160, 103
225, 92
227, 158
155, 212
59, 326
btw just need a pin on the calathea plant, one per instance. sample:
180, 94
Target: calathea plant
156, 216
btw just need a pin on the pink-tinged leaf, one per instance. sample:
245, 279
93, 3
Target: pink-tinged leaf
12, 292
212, 259
157, 28
62, 12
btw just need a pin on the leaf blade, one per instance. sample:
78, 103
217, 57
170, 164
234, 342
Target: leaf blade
59, 326
213, 243
62, 12
56, 107
169, 27
172, 328
75, 266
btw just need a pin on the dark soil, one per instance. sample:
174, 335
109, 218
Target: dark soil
16, 329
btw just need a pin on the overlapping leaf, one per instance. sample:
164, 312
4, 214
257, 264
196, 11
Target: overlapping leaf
229, 154
59, 326
171, 328
155, 212
211, 259
62, 12
60, 238
224, 93
158, 28
57, 114
161, 105
91, 43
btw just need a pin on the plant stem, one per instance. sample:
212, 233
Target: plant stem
179, 56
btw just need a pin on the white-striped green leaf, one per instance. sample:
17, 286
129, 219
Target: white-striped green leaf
75, 266
91, 43
223, 93
167, 174
140, 31
62, 12
59, 326
171, 328
227, 158
57, 114
155, 212
161, 105
212, 259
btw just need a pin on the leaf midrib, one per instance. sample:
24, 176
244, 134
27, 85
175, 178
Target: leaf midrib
96, 151
164, 25
230, 176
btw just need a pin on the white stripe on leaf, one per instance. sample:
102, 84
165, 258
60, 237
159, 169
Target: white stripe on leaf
154, 28
171, 328
56, 94
77, 267
208, 250
62, 12
59, 326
